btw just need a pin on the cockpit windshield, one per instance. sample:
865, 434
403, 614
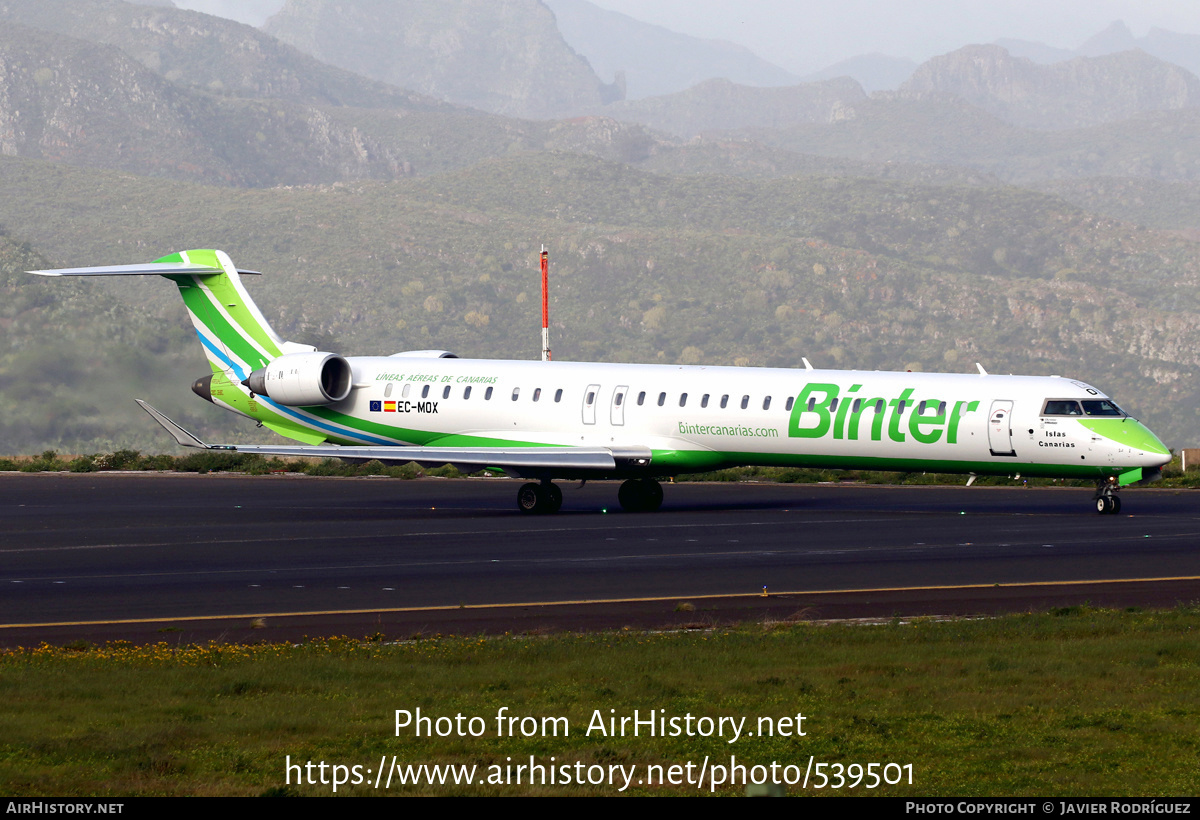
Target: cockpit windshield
1062, 407
1101, 407
1087, 407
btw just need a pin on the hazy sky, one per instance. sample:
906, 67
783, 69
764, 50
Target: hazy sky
807, 35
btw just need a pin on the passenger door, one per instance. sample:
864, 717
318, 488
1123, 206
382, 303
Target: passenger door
617, 411
1000, 428
590, 395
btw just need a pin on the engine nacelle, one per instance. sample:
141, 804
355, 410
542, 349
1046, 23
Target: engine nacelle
303, 379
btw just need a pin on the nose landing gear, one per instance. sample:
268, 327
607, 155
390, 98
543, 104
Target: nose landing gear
1106, 498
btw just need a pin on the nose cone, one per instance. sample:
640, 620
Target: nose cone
1148, 450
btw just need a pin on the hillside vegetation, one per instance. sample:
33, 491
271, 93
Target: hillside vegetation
851, 273
859, 231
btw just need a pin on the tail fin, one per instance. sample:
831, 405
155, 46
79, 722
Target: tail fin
237, 338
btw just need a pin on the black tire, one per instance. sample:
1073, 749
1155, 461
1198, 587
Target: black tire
631, 496
553, 497
1116, 505
530, 498
652, 495
640, 495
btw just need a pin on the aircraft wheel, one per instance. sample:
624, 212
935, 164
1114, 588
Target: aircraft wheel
630, 495
640, 495
530, 498
553, 497
1116, 504
653, 495
1102, 505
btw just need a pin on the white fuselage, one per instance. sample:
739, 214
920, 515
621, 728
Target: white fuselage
698, 418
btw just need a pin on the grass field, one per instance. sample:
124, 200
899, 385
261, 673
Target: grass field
1072, 702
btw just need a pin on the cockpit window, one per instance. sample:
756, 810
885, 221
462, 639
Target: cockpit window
1062, 407
1101, 407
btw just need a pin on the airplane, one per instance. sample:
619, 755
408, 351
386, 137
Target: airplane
548, 420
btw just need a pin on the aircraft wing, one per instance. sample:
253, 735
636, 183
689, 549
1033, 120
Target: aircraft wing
521, 461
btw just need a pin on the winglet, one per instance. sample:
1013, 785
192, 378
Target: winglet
180, 435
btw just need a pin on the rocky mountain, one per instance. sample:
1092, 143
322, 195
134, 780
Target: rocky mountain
504, 57
948, 131
1181, 49
210, 53
83, 103
719, 105
1077, 93
874, 72
1038, 52
652, 60
71, 101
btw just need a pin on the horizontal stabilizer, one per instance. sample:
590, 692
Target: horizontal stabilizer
145, 269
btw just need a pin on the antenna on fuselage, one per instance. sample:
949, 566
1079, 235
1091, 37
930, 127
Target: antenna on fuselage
545, 305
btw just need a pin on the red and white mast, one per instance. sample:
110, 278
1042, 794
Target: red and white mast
545, 305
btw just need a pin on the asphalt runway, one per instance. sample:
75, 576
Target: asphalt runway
178, 556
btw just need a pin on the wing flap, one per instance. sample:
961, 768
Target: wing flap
515, 458
518, 459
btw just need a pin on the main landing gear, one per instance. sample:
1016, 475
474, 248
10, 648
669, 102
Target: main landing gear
539, 498
635, 495
1106, 498
640, 495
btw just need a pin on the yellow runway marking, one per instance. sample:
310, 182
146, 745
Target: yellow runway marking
652, 599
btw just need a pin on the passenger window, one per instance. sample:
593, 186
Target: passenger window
767, 403
941, 408
558, 395
516, 392
467, 392
487, 394
387, 391
833, 405
900, 408
446, 392
537, 393
641, 398
854, 408
879, 406
812, 403
704, 400
404, 392
724, 401
591, 397
791, 400
620, 398
682, 399
425, 392
745, 402
662, 397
